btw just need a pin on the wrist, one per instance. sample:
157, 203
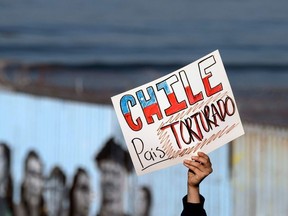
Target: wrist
193, 195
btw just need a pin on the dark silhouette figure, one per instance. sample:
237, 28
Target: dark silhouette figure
32, 201
115, 165
55, 193
80, 194
6, 182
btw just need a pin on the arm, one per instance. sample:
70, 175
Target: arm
199, 168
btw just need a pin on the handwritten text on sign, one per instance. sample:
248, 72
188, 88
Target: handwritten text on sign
173, 117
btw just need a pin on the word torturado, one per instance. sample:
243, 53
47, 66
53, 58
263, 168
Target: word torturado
204, 121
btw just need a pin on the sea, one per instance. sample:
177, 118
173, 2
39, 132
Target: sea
251, 35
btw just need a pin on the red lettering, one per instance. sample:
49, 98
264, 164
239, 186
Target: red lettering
175, 105
192, 98
206, 74
153, 109
172, 126
130, 122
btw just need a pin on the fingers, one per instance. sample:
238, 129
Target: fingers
199, 167
193, 166
202, 154
196, 166
203, 159
200, 163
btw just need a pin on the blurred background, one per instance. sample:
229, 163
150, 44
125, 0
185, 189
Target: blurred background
61, 61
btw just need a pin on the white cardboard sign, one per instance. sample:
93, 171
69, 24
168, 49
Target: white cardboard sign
172, 118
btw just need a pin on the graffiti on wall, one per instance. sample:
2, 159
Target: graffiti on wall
51, 195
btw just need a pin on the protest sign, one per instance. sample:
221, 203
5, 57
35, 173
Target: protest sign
172, 118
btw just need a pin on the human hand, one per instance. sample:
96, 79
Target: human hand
199, 168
